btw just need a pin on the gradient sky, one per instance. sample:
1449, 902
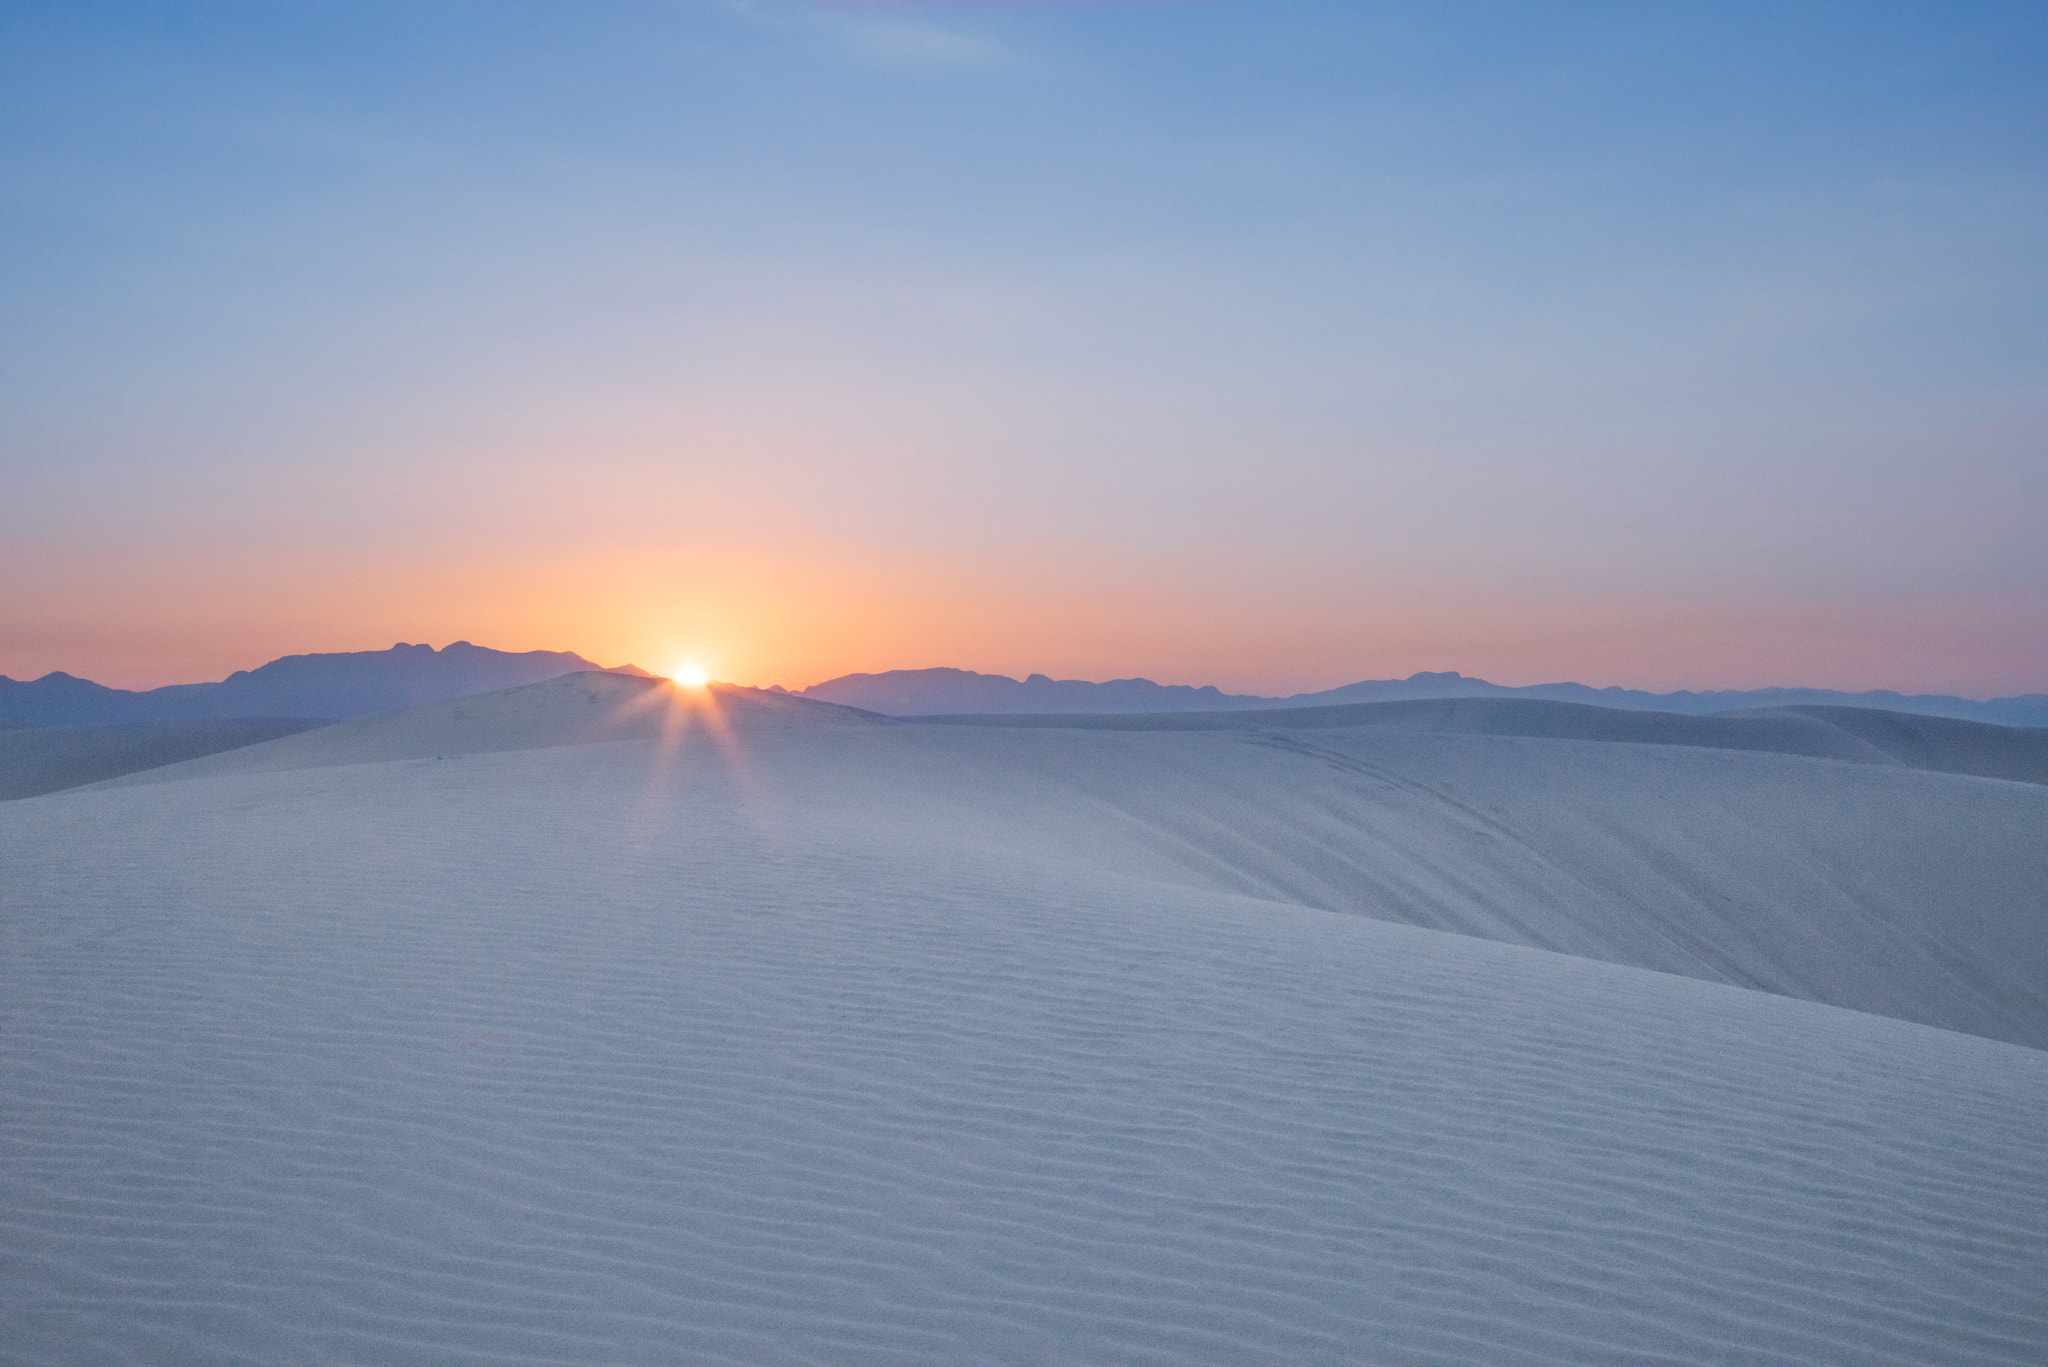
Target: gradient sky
1271, 345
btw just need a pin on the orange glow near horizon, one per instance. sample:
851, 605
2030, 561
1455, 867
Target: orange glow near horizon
796, 615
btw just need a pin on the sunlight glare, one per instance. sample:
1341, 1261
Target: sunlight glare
689, 676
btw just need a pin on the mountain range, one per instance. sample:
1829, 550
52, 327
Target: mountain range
956, 692
314, 687
364, 683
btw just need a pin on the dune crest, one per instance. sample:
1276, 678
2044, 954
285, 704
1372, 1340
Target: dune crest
587, 708
1856, 735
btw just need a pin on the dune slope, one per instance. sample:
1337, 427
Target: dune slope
1912, 894
1862, 884
48, 759
1939, 743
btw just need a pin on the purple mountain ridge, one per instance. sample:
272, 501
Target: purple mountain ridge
324, 687
959, 692
362, 683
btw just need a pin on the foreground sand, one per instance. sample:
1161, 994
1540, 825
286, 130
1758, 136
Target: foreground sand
809, 1038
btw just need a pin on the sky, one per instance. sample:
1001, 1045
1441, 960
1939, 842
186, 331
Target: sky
1265, 344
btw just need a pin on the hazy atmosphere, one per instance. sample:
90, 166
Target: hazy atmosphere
1271, 346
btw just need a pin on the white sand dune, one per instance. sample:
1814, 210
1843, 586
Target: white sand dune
49, 759
803, 1038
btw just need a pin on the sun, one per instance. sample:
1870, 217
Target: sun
689, 676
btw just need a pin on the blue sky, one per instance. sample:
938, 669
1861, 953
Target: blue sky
1266, 344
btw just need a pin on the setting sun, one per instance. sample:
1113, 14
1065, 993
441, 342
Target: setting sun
689, 676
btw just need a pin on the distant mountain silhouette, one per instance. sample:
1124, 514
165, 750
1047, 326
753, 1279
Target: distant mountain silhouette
950, 692
346, 684
363, 683
959, 692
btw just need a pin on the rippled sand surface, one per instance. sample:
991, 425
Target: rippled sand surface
780, 1042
